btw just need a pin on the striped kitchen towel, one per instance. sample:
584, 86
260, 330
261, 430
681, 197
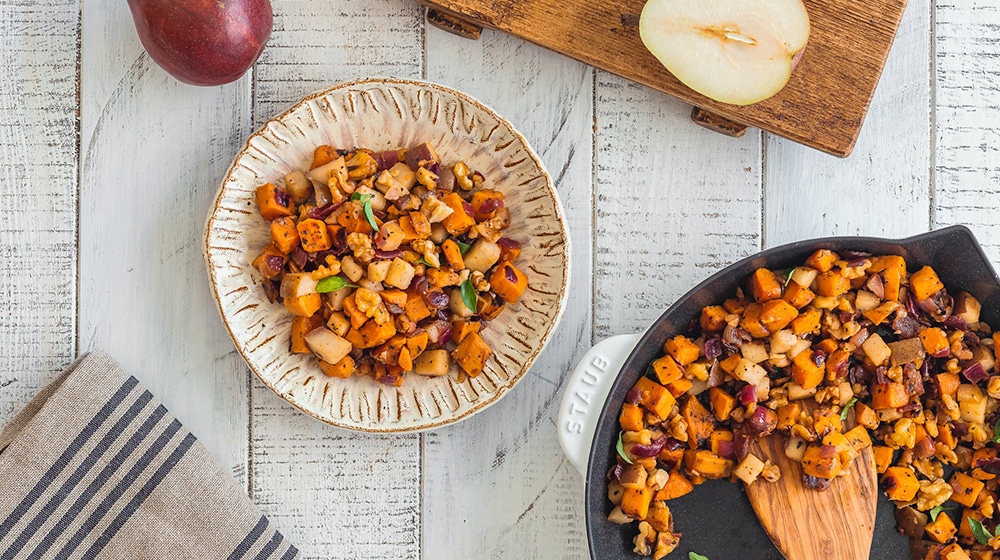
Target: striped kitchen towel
94, 467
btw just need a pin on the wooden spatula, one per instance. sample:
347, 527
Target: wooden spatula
807, 524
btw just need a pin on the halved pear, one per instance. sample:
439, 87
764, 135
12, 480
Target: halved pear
733, 51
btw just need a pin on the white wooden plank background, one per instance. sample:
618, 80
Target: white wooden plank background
108, 165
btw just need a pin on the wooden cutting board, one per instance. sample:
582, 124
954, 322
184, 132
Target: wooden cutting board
823, 105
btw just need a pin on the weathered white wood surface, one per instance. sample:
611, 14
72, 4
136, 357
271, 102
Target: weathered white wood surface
152, 153
38, 182
106, 188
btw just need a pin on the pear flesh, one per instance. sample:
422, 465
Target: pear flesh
734, 51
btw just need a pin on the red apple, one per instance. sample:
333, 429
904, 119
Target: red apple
203, 42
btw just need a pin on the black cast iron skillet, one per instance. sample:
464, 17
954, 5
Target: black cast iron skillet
716, 519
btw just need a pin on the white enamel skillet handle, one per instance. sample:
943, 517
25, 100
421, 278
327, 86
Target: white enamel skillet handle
586, 393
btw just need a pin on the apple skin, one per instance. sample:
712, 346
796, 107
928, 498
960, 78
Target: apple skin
203, 42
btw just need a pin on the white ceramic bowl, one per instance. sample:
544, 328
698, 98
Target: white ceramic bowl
386, 114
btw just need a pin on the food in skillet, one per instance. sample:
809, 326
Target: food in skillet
390, 261
846, 352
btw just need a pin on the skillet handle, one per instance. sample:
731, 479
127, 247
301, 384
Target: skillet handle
586, 393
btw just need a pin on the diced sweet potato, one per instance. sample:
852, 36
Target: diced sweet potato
825, 420
303, 306
301, 326
700, 422
777, 314
313, 235
832, 284
323, 155
660, 518
935, 342
635, 502
667, 370
709, 465
655, 397
807, 322
416, 308
965, 489
274, 202
953, 552
680, 386
751, 321
682, 349
805, 371
631, 417
471, 354
729, 364
357, 317
722, 403
865, 416
858, 438
883, 457
889, 395
417, 343
947, 383
677, 485
788, 415
713, 318
508, 282
798, 296
371, 334
462, 329
485, 203
453, 254
942, 529
900, 484
925, 282
343, 369
284, 234
391, 236
764, 285
458, 222
822, 260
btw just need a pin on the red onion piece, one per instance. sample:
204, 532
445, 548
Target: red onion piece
762, 421
860, 337
508, 243
748, 395
960, 429
975, 373
386, 159
741, 444
299, 257
509, 274
727, 450
651, 450
614, 473
633, 396
955, 322
815, 483
322, 213
927, 305
674, 444
715, 375
387, 255
876, 286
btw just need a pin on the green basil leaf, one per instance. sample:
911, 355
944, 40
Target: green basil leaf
357, 196
696, 556
934, 512
979, 531
462, 247
621, 451
996, 431
847, 408
789, 277
332, 284
369, 215
469, 295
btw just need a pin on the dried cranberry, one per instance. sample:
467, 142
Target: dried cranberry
281, 197
468, 209
508, 243
713, 348
489, 205
815, 483
402, 202
436, 299
633, 396
322, 213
